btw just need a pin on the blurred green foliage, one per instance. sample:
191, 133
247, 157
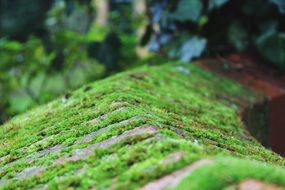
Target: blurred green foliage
186, 29
50, 47
29, 75
64, 51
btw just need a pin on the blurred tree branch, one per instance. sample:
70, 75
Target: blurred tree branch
102, 7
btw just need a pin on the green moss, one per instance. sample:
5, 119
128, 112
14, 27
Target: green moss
195, 113
226, 171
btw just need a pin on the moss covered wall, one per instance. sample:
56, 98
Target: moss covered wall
170, 126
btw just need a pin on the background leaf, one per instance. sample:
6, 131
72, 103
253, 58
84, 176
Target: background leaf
213, 4
192, 48
188, 10
272, 48
280, 4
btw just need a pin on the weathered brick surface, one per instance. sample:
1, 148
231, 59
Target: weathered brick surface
254, 74
152, 128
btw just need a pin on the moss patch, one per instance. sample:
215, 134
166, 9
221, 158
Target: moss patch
192, 111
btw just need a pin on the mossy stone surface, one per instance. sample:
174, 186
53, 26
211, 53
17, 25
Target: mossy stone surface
134, 128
